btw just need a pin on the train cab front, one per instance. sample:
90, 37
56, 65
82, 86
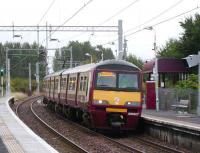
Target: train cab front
116, 101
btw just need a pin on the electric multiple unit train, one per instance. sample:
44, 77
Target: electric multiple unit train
105, 95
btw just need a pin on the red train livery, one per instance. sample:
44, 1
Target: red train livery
106, 95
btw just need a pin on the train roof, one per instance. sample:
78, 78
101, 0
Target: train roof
88, 67
57, 73
119, 62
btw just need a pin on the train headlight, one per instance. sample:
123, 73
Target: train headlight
132, 103
100, 102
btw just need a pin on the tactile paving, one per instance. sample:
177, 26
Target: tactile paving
8, 140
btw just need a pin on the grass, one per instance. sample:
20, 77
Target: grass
19, 95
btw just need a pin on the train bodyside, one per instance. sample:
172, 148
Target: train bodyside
105, 95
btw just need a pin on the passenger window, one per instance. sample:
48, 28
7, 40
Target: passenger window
83, 85
72, 83
56, 84
63, 83
52, 85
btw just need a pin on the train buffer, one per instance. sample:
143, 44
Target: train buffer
182, 105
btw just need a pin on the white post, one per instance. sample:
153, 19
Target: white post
8, 93
156, 84
198, 107
2, 85
156, 72
7, 71
38, 40
125, 49
71, 57
37, 78
47, 47
30, 90
102, 55
120, 40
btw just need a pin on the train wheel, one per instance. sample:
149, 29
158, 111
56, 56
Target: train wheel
45, 101
65, 111
56, 109
86, 119
50, 105
70, 113
79, 115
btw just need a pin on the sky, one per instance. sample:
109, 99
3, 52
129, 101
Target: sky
135, 17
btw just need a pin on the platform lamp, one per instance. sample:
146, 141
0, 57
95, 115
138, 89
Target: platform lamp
87, 54
14, 35
156, 67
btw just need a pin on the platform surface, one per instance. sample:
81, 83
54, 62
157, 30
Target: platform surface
15, 136
179, 119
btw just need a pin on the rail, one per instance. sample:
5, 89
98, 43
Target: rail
73, 144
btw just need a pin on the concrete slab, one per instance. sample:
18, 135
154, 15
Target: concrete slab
16, 137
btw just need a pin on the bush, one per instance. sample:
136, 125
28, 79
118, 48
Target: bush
190, 83
22, 85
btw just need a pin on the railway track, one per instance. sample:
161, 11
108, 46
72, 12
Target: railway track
129, 144
61, 142
112, 143
140, 144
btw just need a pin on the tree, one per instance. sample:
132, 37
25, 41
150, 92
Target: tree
172, 49
187, 44
135, 60
79, 50
20, 58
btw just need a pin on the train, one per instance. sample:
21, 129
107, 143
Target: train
105, 95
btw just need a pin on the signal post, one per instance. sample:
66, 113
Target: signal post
2, 82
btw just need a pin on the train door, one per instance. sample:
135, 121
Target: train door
82, 94
63, 86
71, 92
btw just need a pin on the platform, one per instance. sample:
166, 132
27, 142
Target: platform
178, 119
15, 136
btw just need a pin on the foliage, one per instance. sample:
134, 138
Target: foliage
79, 50
21, 85
191, 82
171, 49
20, 55
20, 58
135, 60
187, 44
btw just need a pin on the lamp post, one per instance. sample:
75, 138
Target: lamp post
87, 54
156, 67
100, 50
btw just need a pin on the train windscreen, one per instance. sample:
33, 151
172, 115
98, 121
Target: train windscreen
117, 81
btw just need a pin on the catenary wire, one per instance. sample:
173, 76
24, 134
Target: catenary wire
46, 12
157, 16
108, 19
166, 20
120, 11
79, 10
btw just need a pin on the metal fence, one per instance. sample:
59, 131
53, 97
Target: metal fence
172, 96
